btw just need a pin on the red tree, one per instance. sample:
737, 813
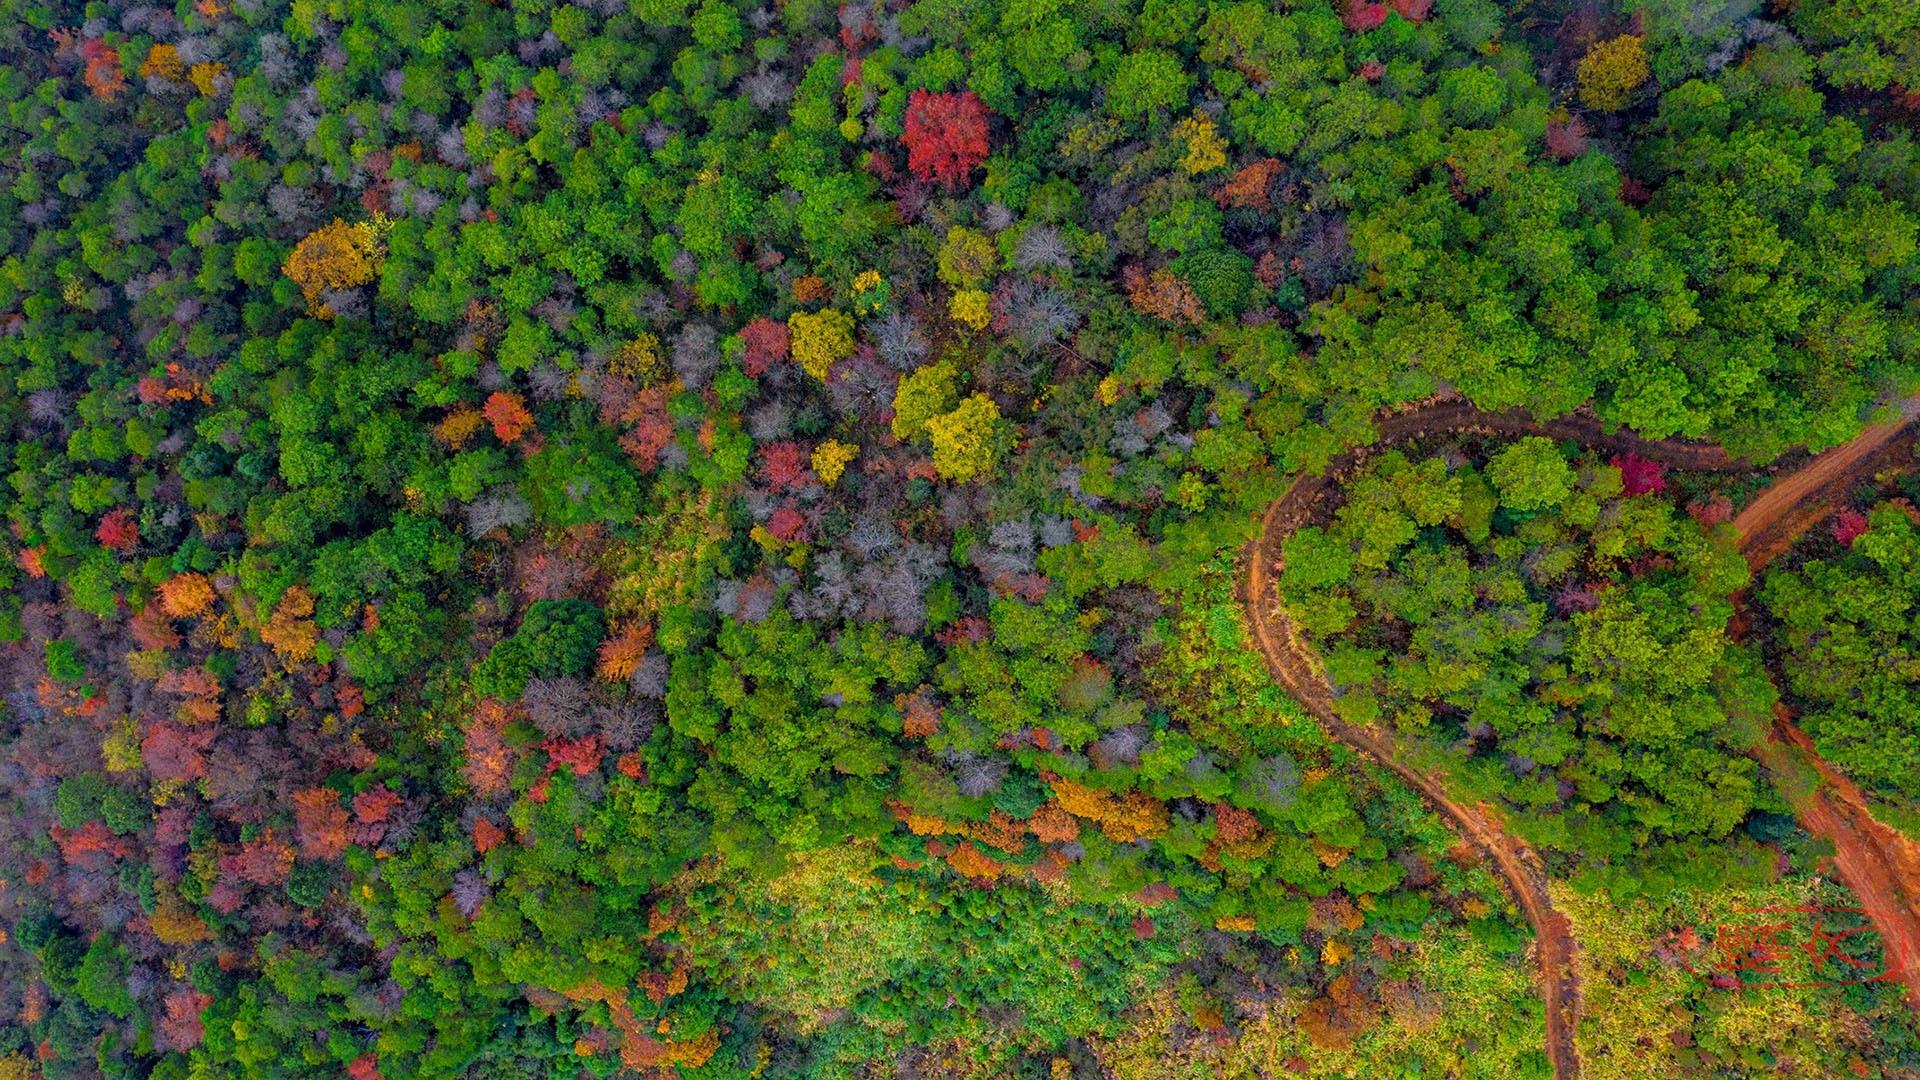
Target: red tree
1640, 476
786, 524
118, 531
652, 428
1566, 141
784, 465
103, 74
321, 822
580, 755
1363, 15
510, 419
946, 135
487, 835
489, 760
766, 342
371, 808
266, 860
181, 1028
1848, 526
171, 752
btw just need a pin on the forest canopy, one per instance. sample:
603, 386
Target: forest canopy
526, 520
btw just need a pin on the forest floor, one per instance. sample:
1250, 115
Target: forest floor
1881, 867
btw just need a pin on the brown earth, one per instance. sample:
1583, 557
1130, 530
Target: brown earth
1881, 867
1799, 500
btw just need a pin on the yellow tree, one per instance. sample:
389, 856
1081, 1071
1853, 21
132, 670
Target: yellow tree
334, 256
965, 441
820, 339
1611, 71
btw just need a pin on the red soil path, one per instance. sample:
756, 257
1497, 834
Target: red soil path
1799, 500
1881, 867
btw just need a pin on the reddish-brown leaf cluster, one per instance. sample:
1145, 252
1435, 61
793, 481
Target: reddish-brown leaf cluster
509, 417
1361, 16
919, 715
1567, 139
489, 760
1334, 1020
1162, 295
152, 629
173, 752
1233, 825
945, 136
767, 342
117, 530
1250, 188
90, 845
1051, 824
784, 465
103, 75
581, 755
321, 823
181, 1029
786, 524
652, 427
371, 809
487, 835
267, 860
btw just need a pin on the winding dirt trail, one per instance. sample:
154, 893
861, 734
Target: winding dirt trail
1877, 864
1880, 866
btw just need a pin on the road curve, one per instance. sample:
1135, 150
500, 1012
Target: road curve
1870, 860
1880, 865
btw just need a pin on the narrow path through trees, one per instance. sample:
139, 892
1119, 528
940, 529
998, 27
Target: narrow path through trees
1879, 864
1882, 868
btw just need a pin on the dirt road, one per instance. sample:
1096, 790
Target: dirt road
1799, 500
1878, 865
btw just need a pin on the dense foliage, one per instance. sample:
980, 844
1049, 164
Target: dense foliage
1848, 642
1564, 640
508, 503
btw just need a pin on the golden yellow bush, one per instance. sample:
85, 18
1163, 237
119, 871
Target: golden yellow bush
820, 339
290, 630
1121, 819
830, 460
1206, 150
1611, 71
203, 77
963, 440
334, 256
969, 308
163, 61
